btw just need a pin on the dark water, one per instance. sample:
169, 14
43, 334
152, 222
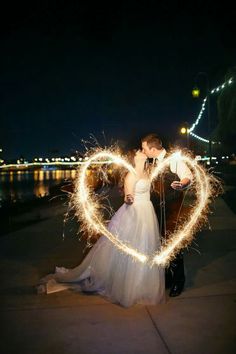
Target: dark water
27, 185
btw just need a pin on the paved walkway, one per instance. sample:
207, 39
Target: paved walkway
201, 320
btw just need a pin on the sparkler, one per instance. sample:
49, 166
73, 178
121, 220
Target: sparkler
88, 208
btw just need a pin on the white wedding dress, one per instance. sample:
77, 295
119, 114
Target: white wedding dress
111, 272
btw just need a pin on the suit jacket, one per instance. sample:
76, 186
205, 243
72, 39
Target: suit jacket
168, 202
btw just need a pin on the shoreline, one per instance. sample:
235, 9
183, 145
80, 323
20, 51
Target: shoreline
18, 215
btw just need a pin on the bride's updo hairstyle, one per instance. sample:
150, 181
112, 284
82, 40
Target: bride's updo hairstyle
129, 157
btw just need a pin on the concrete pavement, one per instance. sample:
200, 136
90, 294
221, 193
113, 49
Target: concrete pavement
200, 320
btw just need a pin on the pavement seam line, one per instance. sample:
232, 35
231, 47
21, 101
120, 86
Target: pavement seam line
48, 308
203, 296
9, 308
158, 331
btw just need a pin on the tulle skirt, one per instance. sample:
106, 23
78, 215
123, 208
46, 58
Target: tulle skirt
112, 273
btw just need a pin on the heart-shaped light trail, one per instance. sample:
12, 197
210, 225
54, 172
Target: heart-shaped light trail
87, 206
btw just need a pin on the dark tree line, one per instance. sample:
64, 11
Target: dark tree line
226, 107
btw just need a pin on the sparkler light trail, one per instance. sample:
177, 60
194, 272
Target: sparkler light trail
205, 186
88, 208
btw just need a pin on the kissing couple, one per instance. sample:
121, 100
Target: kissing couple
143, 221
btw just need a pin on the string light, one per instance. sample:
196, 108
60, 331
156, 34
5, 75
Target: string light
215, 90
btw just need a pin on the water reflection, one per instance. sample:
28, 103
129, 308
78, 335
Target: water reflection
19, 177
11, 176
41, 190
28, 184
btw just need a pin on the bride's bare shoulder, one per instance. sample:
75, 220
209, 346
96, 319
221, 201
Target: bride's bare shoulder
130, 177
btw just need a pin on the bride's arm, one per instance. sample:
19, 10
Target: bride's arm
129, 188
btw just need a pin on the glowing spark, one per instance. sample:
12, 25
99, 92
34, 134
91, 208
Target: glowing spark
184, 234
176, 155
87, 206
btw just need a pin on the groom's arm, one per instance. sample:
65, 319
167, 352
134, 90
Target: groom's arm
184, 174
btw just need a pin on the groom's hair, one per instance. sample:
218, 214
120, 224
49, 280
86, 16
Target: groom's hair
153, 141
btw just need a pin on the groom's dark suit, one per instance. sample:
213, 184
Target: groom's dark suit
169, 209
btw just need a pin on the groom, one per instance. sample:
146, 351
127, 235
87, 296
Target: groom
167, 202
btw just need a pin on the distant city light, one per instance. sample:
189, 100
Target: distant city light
74, 162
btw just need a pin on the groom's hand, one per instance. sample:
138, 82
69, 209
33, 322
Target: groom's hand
177, 185
180, 185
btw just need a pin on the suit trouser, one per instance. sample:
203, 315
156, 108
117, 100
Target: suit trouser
174, 212
176, 268
175, 271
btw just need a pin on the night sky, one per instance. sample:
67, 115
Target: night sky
68, 71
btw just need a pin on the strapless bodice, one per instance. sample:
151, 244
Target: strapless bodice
142, 190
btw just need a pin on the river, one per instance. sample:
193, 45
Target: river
26, 185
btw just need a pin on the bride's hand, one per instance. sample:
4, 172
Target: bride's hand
129, 199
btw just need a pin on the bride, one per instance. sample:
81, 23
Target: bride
107, 270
